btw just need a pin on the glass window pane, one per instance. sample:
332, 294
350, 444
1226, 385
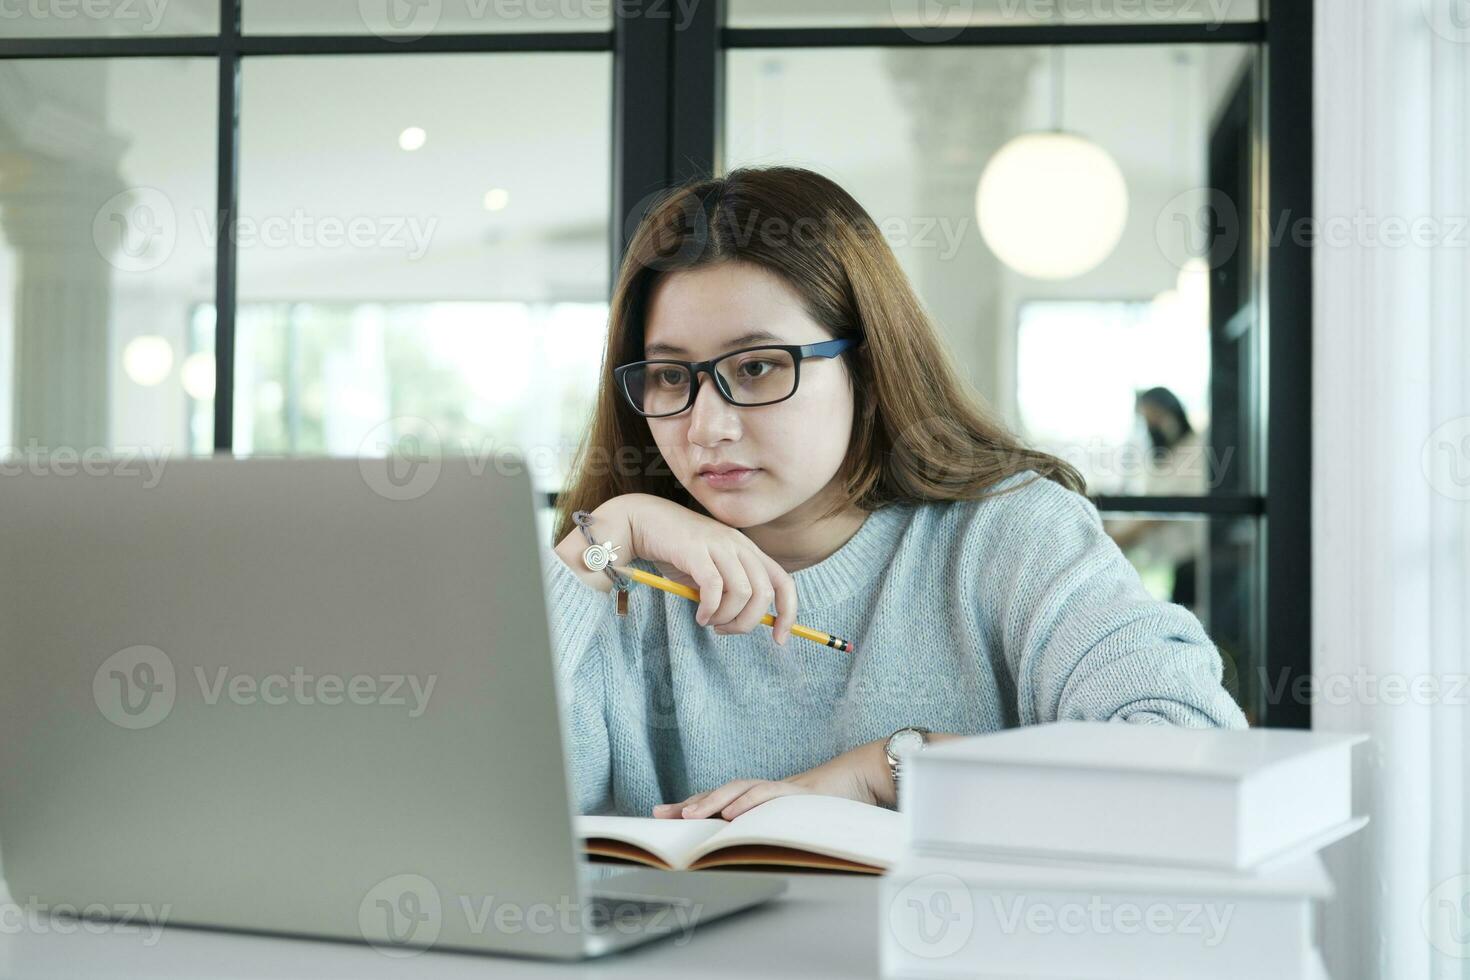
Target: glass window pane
360, 378
423, 254
985, 13
407, 19
108, 18
1086, 405
1212, 567
107, 254
1064, 312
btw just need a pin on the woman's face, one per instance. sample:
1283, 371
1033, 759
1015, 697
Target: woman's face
794, 447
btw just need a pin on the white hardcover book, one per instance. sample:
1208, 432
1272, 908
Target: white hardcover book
940, 917
1154, 794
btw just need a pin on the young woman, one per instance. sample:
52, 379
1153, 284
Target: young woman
779, 423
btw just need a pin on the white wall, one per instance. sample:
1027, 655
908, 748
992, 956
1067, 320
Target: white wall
1391, 478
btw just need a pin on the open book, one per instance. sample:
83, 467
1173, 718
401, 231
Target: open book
828, 833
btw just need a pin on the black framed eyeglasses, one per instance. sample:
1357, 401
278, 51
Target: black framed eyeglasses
747, 377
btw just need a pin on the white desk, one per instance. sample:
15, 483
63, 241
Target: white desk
823, 926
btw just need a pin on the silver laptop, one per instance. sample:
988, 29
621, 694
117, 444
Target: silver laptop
310, 697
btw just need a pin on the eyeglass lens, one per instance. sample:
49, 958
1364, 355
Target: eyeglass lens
754, 377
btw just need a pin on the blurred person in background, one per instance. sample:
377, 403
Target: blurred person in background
1175, 469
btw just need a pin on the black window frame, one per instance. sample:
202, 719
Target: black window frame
664, 133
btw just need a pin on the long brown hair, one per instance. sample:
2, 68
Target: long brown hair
919, 433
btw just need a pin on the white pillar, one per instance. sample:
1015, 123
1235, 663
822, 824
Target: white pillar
1391, 441
60, 167
965, 105
62, 303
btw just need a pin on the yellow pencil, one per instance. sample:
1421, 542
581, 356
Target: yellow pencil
669, 585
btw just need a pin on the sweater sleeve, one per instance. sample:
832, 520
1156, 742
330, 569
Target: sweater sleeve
581, 627
1083, 638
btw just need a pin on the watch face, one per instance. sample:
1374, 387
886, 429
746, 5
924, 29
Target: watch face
905, 743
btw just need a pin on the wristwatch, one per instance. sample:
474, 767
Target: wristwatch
900, 745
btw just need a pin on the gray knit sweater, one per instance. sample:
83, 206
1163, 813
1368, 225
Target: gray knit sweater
967, 617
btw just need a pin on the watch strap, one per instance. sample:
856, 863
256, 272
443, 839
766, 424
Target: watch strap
895, 764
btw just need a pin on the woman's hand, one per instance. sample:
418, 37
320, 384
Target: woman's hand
857, 774
737, 582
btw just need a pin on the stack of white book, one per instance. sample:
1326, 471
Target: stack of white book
1107, 850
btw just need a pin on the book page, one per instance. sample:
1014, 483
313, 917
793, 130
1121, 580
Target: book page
670, 840
829, 825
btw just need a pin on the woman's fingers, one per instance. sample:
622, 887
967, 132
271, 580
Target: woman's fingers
738, 583
761, 594
711, 585
757, 794
736, 591
674, 574
672, 809
716, 799
785, 587
729, 800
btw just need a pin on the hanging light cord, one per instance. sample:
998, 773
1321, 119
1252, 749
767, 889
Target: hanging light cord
1056, 88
